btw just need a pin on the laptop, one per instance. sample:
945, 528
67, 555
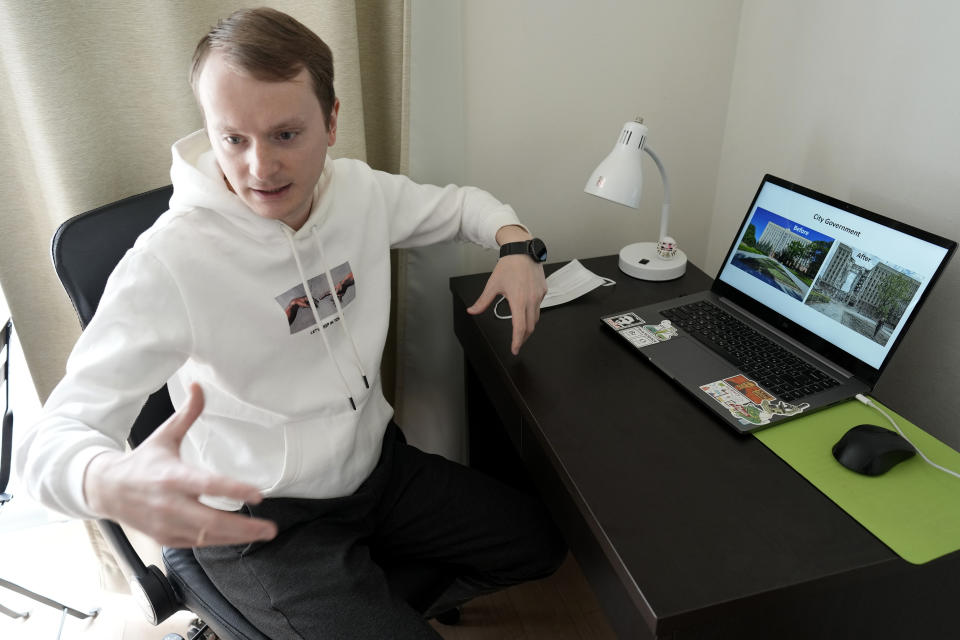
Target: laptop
811, 301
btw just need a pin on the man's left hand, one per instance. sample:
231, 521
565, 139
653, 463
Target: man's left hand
521, 281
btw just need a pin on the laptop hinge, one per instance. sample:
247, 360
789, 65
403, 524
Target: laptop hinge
802, 348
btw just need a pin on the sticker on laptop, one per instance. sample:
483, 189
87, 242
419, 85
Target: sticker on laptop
663, 331
623, 320
633, 329
748, 402
639, 336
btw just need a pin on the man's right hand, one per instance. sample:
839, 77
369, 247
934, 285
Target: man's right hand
152, 490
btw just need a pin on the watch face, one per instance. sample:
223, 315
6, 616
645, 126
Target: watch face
538, 250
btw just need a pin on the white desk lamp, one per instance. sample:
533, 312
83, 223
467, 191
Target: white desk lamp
620, 178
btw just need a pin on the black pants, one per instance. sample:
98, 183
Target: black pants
323, 576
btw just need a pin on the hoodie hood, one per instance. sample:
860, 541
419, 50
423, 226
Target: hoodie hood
198, 183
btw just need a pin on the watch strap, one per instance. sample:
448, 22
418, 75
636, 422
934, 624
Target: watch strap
535, 248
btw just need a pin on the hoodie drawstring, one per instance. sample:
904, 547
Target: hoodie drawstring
316, 316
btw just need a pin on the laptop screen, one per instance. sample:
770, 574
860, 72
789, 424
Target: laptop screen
847, 275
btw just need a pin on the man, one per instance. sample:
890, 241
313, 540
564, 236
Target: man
282, 466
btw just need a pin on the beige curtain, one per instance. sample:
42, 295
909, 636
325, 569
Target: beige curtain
93, 93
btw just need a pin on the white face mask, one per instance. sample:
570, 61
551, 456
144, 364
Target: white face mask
565, 284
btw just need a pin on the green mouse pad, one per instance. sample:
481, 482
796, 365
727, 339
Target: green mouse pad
913, 508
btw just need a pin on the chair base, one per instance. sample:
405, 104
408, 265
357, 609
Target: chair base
59, 606
14, 614
198, 631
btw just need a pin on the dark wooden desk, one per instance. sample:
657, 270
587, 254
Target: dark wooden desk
683, 528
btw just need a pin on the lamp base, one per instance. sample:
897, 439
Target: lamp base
640, 260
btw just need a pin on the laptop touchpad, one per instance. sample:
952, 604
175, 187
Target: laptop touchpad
686, 360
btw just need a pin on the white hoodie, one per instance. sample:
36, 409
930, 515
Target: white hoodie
205, 296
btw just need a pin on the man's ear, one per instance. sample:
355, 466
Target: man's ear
332, 128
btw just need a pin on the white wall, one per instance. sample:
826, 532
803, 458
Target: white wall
430, 396
548, 87
859, 99
523, 99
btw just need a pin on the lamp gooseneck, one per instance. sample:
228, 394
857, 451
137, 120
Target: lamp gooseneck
665, 209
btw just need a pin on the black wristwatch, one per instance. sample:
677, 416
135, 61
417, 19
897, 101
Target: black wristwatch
533, 248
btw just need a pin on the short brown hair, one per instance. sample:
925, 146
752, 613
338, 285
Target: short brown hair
271, 46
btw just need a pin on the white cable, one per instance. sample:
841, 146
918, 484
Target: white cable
867, 401
496, 310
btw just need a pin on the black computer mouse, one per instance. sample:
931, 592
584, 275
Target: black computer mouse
872, 450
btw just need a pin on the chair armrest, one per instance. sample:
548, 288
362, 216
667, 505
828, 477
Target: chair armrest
150, 587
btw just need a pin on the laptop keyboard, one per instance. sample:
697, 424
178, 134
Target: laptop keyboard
767, 363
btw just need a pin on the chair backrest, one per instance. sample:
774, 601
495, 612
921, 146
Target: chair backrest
6, 433
86, 249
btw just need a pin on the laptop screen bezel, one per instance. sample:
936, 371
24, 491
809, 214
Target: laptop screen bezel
860, 369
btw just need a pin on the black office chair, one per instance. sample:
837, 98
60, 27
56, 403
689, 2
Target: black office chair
86, 249
6, 448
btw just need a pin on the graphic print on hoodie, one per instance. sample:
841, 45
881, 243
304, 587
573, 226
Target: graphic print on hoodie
296, 305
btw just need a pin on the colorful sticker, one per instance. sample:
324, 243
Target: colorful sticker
623, 320
750, 389
663, 331
748, 402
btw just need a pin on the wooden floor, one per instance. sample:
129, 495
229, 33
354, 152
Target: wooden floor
561, 607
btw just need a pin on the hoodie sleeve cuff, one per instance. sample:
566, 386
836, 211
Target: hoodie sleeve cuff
75, 501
